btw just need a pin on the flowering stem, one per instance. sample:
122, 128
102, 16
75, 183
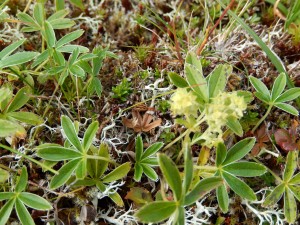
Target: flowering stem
263, 118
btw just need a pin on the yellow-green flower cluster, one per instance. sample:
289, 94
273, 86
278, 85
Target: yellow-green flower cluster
184, 102
216, 114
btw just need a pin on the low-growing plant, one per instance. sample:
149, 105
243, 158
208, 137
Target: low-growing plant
145, 160
122, 90
19, 199
275, 97
184, 193
75, 151
289, 187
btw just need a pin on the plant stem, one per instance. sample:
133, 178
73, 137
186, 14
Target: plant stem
206, 168
29, 158
263, 118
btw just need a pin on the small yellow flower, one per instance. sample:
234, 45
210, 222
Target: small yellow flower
184, 103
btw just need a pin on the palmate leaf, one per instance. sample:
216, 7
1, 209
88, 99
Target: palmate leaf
217, 79
177, 80
151, 150
221, 154
188, 167
26, 117
9, 49
23, 213
171, 174
156, 211
6, 195
289, 95
235, 125
149, 172
139, 148
259, 86
274, 196
20, 99
287, 108
81, 169
8, 128
68, 38
291, 165
138, 172
97, 167
17, 59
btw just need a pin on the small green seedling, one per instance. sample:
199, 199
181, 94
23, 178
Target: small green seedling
275, 97
183, 192
145, 160
18, 199
122, 90
289, 186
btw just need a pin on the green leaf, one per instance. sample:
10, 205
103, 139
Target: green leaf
78, 3
74, 56
70, 132
151, 150
289, 95
291, 165
245, 169
41, 58
81, 169
117, 199
287, 108
290, 206
234, 125
97, 167
188, 167
17, 59
171, 174
296, 191
12, 47
58, 15
239, 150
264, 98
28, 20
149, 172
95, 85
259, 86
274, 196
295, 179
138, 172
177, 80
156, 211
23, 213
49, 34
68, 38
89, 135
22, 181
19, 100
247, 95
5, 93
62, 23
38, 13
195, 78
201, 188
57, 153
217, 79
26, 117
139, 148
59, 5
7, 128
239, 186
34, 201
118, 173
221, 153
278, 87
6, 195
77, 71
6, 211
64, 174
150, 161
223, 199
179, 217
71, 48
